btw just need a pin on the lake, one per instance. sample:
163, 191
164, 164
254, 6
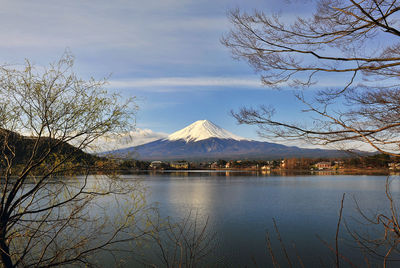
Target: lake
241, 206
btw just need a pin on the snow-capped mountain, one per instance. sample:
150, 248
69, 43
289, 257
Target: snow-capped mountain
202, 130
204, 140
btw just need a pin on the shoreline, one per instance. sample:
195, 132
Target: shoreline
278, 172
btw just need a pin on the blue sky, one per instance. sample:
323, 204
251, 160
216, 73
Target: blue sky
167, 53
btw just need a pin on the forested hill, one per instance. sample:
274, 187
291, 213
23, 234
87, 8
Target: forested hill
19, 149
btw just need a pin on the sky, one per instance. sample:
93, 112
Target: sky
165, 53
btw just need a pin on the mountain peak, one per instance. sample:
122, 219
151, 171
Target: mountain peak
202, 130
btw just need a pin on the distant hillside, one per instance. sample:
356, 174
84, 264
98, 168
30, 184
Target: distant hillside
204, 140
22, 146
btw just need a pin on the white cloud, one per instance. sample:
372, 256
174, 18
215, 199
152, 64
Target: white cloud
187, 82
125, 140
171, 84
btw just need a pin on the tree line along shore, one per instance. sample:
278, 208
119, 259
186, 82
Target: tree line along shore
377, 162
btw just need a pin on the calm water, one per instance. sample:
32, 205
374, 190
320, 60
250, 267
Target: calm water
241, 206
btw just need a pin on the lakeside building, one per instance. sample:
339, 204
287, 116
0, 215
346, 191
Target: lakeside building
156, 165
323, 165
394, 166
180, 165
265, 168
283, 163
214, 165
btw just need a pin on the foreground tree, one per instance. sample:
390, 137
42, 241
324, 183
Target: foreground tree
353, 42
183, 243
46, 219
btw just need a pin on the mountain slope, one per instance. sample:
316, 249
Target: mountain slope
204, 140
215, 148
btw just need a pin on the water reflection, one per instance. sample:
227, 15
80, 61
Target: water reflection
277, 172
241, 206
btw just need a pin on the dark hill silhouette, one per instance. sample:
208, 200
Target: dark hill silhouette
19, 148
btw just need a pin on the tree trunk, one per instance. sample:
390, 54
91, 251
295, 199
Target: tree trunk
5, 250
5, 255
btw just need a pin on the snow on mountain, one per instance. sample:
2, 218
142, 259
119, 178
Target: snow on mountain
202, 130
